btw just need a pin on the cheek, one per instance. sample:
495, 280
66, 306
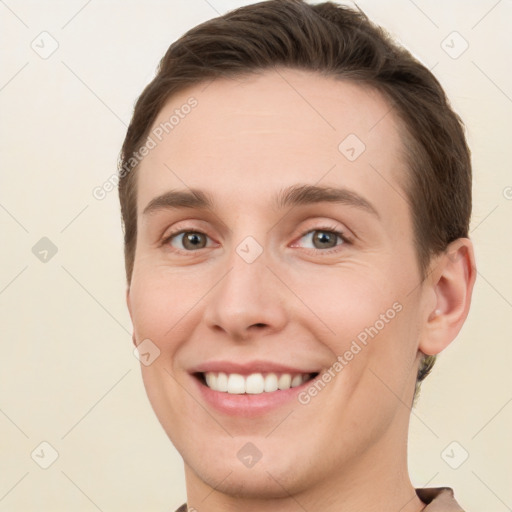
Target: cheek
157, 304
364, 317
347, 300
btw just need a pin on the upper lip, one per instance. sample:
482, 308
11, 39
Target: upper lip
246, 368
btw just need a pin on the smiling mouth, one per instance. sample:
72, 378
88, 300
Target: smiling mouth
254, 383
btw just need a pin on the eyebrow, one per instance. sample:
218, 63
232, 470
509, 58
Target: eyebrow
295, 195
174, 199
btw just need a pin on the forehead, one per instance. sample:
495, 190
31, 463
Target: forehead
247, 135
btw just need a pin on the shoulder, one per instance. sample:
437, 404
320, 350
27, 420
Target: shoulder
438, 499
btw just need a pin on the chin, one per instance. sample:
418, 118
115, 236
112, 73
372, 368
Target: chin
250, 484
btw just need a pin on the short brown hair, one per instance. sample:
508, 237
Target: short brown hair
335, 41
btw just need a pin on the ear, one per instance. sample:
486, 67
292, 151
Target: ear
130, 311
452, 280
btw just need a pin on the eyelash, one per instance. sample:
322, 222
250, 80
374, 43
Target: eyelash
329, 229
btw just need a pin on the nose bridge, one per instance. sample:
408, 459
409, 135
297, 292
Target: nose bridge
248, 294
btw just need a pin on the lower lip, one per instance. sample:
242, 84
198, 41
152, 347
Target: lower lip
247, 405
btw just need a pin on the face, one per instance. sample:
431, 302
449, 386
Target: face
293, 265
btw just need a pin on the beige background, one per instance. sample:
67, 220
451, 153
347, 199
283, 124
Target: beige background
68, 376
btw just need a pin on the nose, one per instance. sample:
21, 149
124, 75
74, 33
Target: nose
248, 301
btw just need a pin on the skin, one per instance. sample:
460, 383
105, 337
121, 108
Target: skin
296, 303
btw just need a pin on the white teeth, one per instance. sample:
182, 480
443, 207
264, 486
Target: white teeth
211, 380
296, 381
253, 384
222, 382
271, 382
284, 381
236, 384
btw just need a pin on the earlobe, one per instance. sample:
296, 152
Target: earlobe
452, 281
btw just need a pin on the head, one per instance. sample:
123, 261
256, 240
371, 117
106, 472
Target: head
277, 97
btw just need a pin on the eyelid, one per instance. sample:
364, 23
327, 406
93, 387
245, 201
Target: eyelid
184, 226
347, 238
167, 238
